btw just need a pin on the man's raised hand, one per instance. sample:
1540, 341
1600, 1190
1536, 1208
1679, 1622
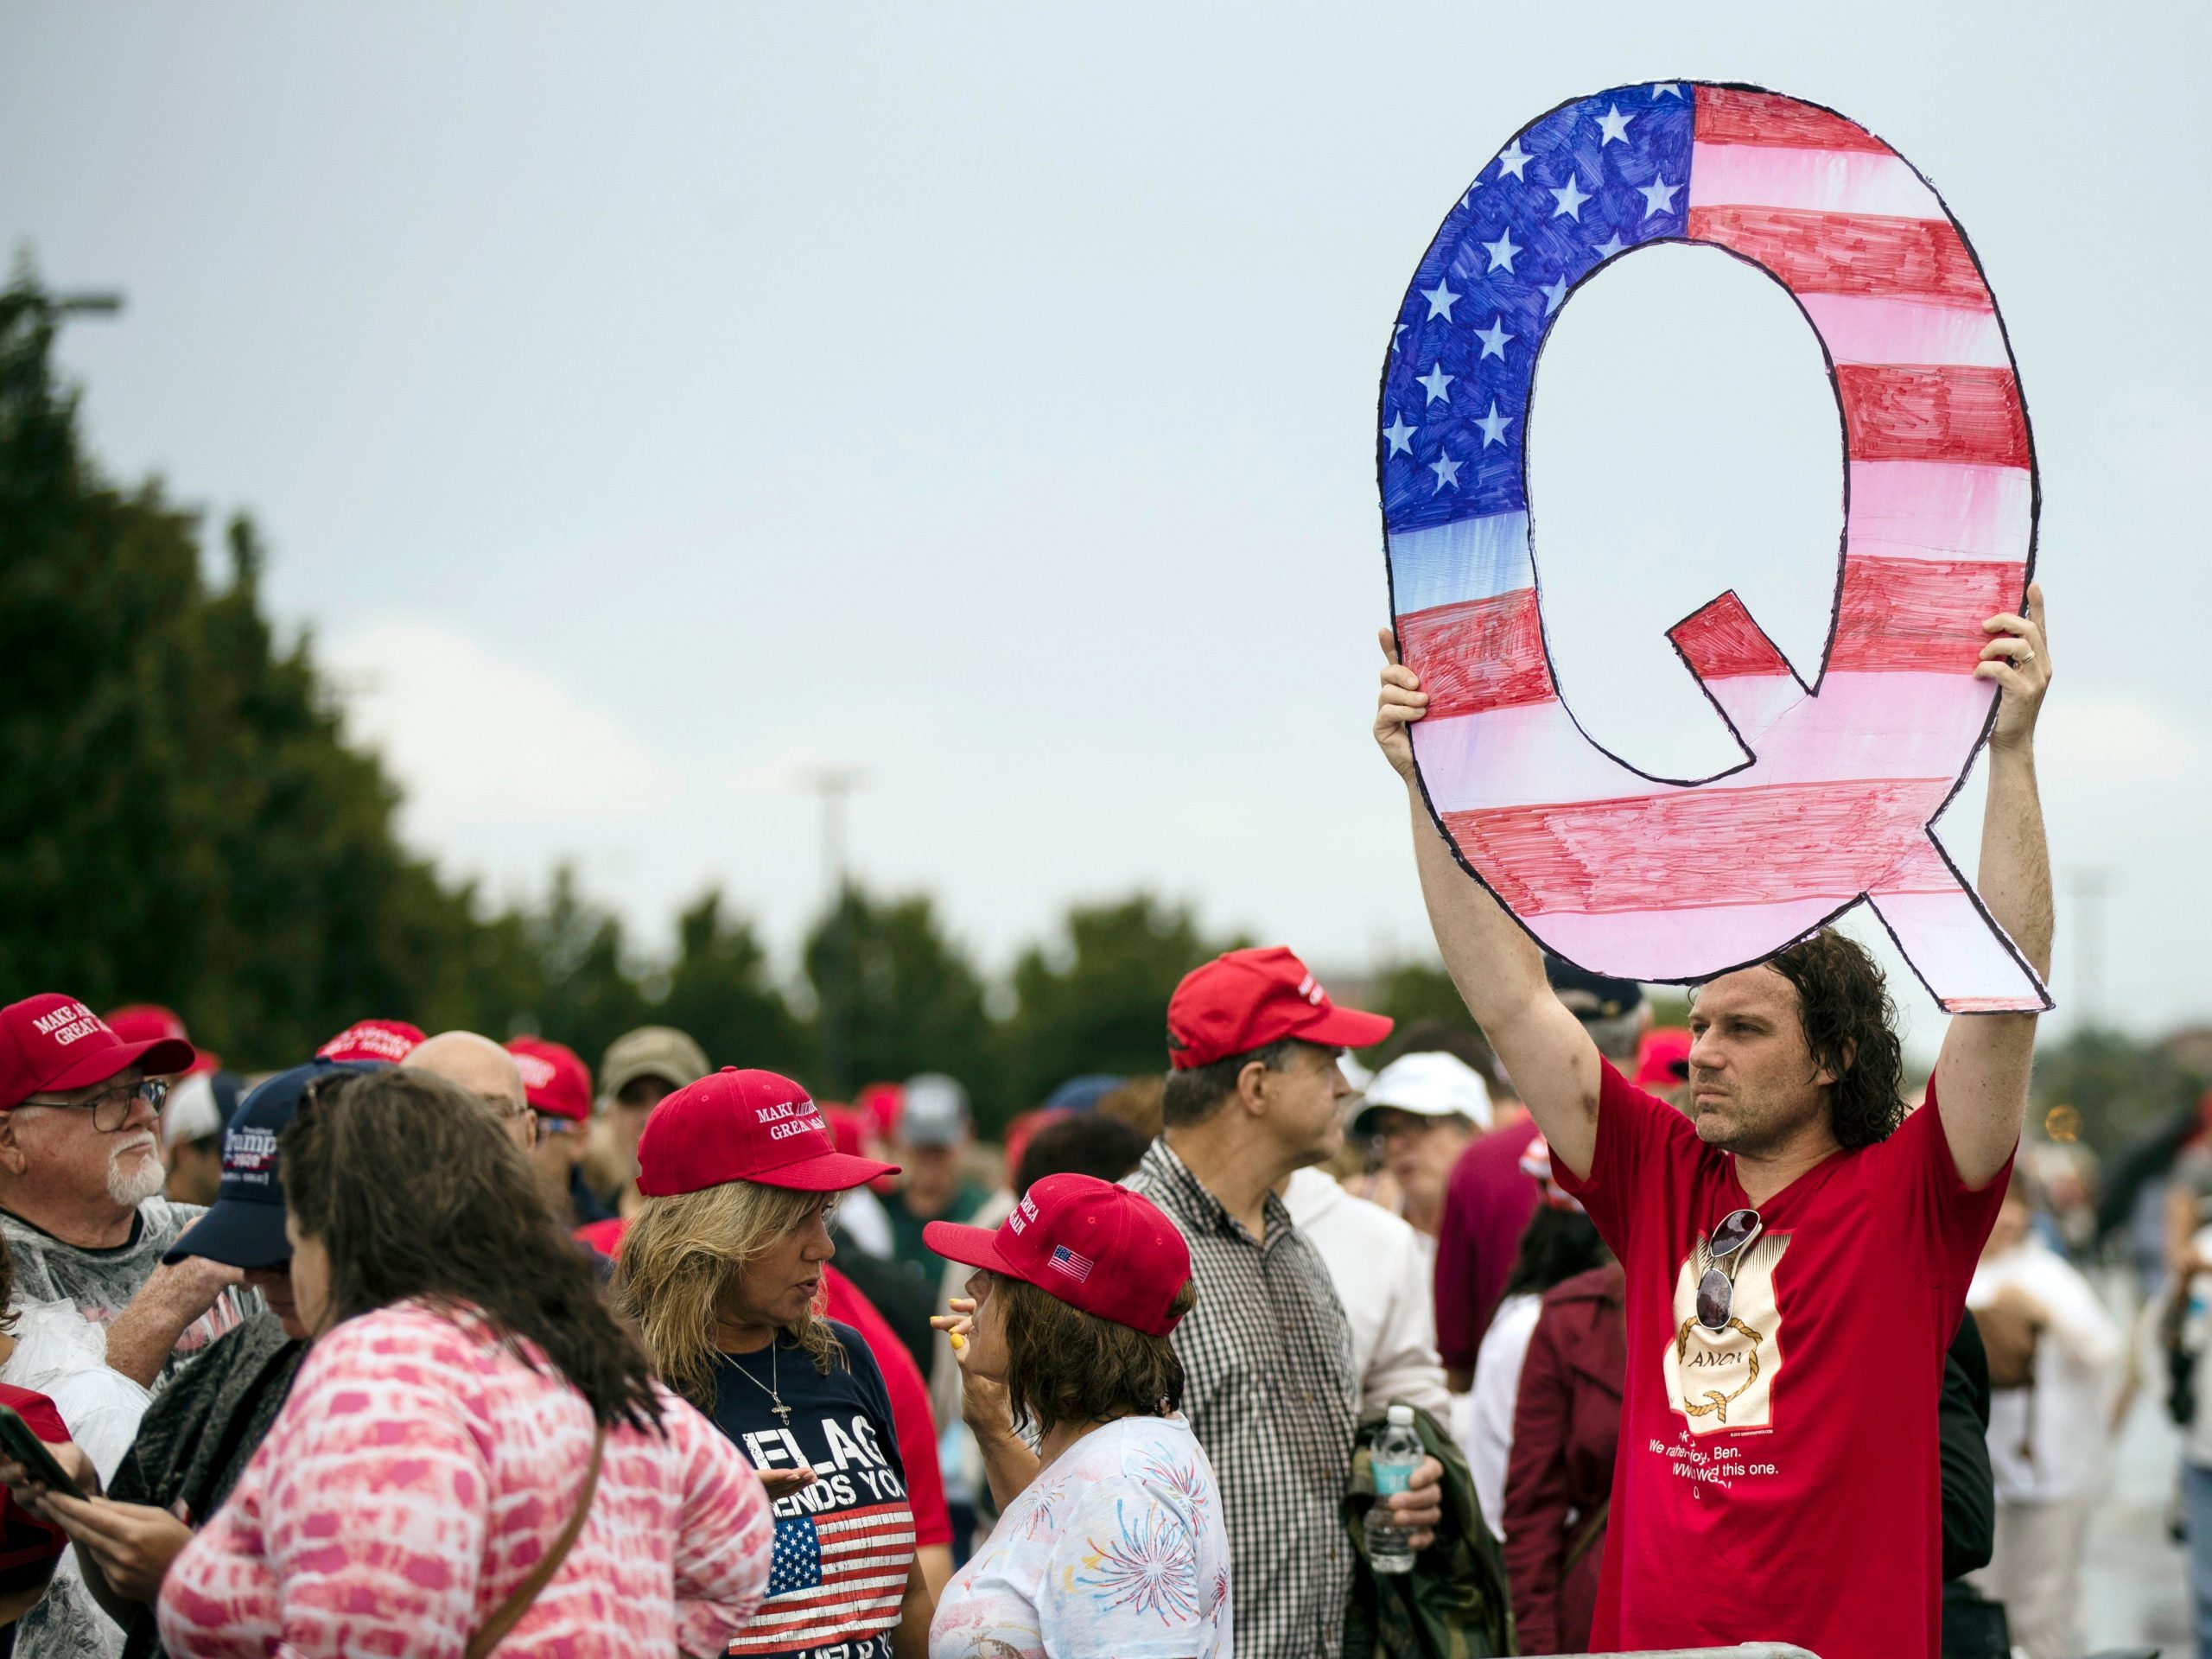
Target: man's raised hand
2018, 658
1401, 703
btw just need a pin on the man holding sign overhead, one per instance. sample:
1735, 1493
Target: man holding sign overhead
1797, 1249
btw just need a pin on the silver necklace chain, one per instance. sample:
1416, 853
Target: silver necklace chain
772, 1388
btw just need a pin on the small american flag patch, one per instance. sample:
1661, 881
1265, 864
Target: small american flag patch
1064, 1260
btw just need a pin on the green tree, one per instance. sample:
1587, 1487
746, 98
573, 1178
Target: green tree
896, 996
1094, 999
719, 990
581, 988
179, 819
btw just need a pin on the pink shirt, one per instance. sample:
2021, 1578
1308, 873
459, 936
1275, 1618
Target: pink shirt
417, 1472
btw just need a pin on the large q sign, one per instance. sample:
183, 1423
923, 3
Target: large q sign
1676, 880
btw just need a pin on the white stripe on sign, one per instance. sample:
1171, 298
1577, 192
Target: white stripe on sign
1808, 180
1469, 559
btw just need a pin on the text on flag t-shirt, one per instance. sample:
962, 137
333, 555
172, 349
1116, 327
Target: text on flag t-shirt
844, 1541
1115, 1548
1777, 1480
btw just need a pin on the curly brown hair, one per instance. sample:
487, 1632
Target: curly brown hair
1843, 1003
1063, 1365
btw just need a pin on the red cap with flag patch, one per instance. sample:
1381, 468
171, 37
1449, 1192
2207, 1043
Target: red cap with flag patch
1249, 999
745, 1126
54, 1043
554, 1079
389, 1040
1093, 1245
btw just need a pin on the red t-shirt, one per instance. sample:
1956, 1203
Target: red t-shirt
1777, 1481
910, 1405
26, 1540
902, 1381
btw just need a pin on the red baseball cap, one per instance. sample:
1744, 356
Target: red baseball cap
389, 1040
1249, 999
554, 1079
848, 1128
54, 1042
1536, 1165
745, 1126
148, 1022
1664, 1060
1087, 1242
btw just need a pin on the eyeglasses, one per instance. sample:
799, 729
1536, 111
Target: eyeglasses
111, 1107
1724, 1254
550, 1124
508, 1113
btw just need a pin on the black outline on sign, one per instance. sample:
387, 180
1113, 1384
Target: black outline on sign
1843, 544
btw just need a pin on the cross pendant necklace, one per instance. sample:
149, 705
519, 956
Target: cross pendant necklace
772, 1388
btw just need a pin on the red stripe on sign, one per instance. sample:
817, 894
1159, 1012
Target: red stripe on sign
1919, 615
1726, 115
1691, 849
1478, 653
1850, 253
1721, 642
1950, 413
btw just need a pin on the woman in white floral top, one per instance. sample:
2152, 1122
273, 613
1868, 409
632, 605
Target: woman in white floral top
1110, 1540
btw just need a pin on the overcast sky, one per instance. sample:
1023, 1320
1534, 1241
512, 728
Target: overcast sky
646, 403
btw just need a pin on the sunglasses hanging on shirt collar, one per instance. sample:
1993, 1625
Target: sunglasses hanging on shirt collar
1724, 1253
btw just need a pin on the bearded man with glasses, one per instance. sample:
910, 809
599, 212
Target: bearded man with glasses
80, 1183
1797, 1249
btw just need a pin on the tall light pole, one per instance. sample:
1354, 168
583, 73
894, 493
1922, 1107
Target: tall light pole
835, 785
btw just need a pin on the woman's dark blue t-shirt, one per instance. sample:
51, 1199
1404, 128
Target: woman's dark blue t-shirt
843, 1543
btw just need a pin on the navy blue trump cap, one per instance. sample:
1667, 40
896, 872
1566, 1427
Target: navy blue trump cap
1588, 995
245, 1227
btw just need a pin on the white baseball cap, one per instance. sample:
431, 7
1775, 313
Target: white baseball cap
192, 1112
1426, 1085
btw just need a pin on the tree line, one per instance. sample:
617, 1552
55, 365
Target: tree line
182, 821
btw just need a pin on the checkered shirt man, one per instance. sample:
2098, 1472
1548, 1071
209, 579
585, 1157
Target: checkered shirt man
1270, 1392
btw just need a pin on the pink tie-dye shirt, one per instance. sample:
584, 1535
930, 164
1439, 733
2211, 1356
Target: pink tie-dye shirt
417, 1472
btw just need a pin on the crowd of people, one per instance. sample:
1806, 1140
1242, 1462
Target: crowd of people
439, 1345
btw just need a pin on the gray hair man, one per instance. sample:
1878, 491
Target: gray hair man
80, 1186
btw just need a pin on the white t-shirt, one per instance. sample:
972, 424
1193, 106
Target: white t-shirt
1385, 1281
1116, 1548
1483, 1426
2050, 1442
60, 1354
2196, 1336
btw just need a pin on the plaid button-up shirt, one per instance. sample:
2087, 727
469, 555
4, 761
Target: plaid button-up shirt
1270, 1391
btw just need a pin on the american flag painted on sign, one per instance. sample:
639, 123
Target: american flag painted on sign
1676, 880
1067, 1261
833, 1578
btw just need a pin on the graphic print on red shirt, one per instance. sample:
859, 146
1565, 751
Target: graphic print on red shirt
1778, 1479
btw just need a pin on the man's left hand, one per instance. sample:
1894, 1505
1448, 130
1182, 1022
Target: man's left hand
1419, 1510
2018, 658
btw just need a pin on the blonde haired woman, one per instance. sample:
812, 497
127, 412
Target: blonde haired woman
721, 1269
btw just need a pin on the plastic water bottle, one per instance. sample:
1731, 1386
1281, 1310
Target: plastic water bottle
1396, 1453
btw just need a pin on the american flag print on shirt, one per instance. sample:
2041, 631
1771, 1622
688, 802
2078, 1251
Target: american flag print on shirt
1676, 880
1067, 1261
832, 1575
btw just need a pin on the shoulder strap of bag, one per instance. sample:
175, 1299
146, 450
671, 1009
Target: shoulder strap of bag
1592, 1530
509, 1613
